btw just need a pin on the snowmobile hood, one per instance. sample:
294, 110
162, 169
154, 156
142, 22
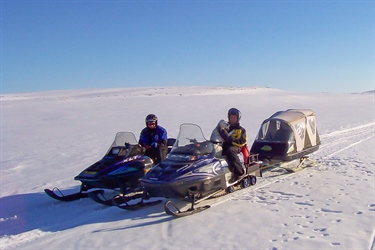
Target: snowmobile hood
110, 167
171, 170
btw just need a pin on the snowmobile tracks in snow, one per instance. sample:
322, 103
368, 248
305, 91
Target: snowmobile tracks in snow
344, 138
372, 241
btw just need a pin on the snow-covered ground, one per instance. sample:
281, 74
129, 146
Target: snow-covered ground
49, 137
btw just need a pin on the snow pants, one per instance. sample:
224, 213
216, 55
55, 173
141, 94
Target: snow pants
234, 163
157, 154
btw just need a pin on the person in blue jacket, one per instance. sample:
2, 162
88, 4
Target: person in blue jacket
154, 139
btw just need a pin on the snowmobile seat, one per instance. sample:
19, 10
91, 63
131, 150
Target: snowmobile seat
203, 148
189, 149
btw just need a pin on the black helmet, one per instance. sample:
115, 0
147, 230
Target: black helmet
151, 118
234, 111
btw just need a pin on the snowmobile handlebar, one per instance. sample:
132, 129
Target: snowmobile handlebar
192, 140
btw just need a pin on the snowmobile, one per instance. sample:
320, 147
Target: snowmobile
120, 169
194, 171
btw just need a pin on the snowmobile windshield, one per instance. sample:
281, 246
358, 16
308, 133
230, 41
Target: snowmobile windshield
191, 141
189, 133
122, 140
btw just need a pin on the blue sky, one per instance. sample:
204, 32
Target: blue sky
322, 46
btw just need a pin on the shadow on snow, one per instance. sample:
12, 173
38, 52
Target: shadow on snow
25, 212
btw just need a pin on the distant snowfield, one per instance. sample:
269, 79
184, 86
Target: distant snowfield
49, 137
137, 92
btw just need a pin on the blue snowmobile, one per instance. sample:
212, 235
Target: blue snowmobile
120, 169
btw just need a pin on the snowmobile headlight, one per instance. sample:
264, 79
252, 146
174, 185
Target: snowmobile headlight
181, 157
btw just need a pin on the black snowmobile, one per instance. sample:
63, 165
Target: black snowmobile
120, 169
195, 171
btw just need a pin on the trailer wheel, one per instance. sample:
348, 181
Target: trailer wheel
253, 180
230, 189
245, 182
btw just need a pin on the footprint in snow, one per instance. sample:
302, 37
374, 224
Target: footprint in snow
371, 207
335, 243
330, 211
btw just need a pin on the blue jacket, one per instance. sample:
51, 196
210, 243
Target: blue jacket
154, 138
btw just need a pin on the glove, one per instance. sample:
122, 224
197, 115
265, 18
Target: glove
154, 144
224, 134
222, 125
229, 140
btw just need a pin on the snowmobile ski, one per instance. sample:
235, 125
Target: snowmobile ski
138, 205
98, 196
175, 212
301, 165
70, 197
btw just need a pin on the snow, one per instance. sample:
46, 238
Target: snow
49, 137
